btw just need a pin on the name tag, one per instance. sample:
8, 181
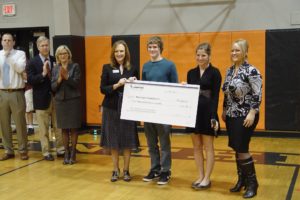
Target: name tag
116, 71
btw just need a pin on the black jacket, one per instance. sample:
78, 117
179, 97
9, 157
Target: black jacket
41, 85
109, 77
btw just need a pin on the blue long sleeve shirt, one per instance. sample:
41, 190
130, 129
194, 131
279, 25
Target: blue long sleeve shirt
160, 71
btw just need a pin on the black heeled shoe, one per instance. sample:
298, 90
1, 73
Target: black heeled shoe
126, 176
73, 157
66, 158
115, 176
194, 184
241, 182
202, 187
251, 181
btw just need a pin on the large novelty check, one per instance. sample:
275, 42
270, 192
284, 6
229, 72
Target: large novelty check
157, 102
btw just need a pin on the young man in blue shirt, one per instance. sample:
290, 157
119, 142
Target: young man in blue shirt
158, 69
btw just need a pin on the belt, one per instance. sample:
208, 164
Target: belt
205, 93
12, 90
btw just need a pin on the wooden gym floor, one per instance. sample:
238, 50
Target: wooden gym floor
277, 165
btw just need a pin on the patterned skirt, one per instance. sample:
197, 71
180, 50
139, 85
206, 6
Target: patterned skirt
117, 133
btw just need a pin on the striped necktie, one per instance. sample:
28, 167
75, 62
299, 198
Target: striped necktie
5, 76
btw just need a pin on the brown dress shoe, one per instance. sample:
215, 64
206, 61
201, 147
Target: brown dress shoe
7, 156
24, 156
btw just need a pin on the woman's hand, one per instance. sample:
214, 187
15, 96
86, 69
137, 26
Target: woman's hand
59, 80
64, 73
120, 83
249, 118
214, 124
131, 79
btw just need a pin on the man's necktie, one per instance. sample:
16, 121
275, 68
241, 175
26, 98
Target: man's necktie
5, 75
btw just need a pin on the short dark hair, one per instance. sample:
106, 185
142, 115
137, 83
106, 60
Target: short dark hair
12, 36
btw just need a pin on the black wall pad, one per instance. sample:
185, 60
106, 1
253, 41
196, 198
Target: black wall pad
283, 80
133, 42
77, 46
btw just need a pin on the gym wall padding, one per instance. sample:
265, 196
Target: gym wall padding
283, 79
98, 49
180, 48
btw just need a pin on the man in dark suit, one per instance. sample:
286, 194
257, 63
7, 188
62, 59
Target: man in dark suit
39, 76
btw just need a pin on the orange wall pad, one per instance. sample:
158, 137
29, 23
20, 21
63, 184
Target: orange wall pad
98, 49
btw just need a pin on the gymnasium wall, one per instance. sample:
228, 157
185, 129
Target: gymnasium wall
128, 17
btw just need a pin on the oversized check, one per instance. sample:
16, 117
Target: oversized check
157, 102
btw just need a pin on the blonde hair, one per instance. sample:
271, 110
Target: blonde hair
59, 50
243, 44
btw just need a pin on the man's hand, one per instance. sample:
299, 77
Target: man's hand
46, 68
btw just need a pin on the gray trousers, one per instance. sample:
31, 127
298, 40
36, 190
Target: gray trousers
13, 104
160, 160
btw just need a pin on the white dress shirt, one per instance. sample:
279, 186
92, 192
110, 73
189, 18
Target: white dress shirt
16, 59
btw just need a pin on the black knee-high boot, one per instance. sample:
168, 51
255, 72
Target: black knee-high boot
73, 156
66, 139
248, 168
66, 156
74, 137
241, 177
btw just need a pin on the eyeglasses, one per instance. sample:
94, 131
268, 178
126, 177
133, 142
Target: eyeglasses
64, 53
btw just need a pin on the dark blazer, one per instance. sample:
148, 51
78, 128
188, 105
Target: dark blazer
109, 77
41, 85
67, 89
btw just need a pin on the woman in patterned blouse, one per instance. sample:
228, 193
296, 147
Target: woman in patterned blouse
242, 96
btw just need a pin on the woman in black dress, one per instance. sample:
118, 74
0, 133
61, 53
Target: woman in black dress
207, 124
243, 91
66, 85
117, 134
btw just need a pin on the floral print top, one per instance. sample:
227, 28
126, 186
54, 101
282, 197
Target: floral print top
243, 91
